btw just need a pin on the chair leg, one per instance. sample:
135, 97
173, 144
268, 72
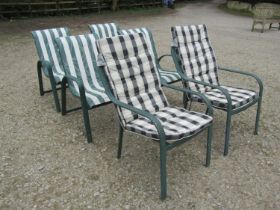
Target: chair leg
63, 96
258, 116
209, 144
227, 136
270, 26
163, 182
40, 79
253, 26
185, 100
120, 141
55, 95
86, 120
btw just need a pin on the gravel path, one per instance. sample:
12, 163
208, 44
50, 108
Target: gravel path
46, 164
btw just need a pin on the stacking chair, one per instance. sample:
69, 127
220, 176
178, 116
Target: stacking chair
78, 55
196, 63
49, 62
104, 30
166, 76
111, 29
131, 80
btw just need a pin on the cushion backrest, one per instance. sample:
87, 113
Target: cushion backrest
197, 58
78, 55
132, 74
46, 49
104, 30
147, 33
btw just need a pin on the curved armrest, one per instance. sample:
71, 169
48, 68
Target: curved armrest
164, 55
143, 113
48, 66
259, 81
183, 77
203, 97
223, 90
79, 83
160, 58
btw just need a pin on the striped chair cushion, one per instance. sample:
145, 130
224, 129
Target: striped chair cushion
196, 54
177, 123
238, 96
166, 76
78, 54
132, 73
46, 49
104, 30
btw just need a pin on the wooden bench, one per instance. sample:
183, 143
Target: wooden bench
265, 15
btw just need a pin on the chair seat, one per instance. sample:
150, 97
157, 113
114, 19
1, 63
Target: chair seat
169, 76
239, 97
178, 123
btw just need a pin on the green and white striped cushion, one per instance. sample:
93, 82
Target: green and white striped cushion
166, 76
46, 49
104, 30
78, 55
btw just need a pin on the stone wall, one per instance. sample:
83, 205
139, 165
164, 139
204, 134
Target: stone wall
242, 6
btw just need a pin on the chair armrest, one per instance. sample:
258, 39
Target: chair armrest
186, 79
160, 58
78, 82
48, 66
152, 118
223, 90
143, 113
203, 97
164, 55
259, 81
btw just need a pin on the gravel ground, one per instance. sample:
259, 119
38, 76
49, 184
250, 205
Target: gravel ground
46, 164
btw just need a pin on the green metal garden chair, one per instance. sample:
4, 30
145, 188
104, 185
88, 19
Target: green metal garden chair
49, 62
132, 83
78, 55
112, 29
104, 30
196, 63
166, 76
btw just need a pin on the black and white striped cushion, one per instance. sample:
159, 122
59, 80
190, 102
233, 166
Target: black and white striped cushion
79, 55
238, 96
166, 76
196, 55
134, 80
104, 30
198, 60
132, 73
46, 49
177, 123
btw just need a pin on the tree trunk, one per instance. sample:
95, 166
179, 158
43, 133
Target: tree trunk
114, 4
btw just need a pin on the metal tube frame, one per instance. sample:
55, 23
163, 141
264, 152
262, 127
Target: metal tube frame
228, 109
164, 146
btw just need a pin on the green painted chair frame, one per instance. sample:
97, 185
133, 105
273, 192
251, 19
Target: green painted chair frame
44, 66
66, 82
164, 146
84, 105
48, 68
229, 109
